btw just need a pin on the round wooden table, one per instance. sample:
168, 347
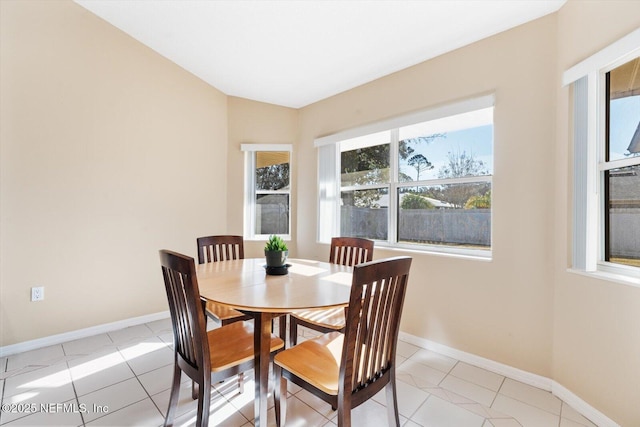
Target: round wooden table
244, 285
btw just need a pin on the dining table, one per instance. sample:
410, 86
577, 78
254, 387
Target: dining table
244, 285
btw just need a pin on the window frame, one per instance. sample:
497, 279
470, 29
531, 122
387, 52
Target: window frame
588, 81
250, 191
605, 165
329, 213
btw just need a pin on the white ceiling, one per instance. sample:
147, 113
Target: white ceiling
294, 53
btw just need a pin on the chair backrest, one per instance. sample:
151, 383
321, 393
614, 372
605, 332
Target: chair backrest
220, 248
373, 323
189, 331
350, 250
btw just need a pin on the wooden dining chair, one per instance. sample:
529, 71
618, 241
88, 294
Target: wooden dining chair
203, 356
214, 249
347, 369
344, 251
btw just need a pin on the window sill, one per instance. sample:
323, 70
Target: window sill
622, 279
469, 254
265, 237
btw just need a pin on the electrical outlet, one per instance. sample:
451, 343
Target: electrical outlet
37, 293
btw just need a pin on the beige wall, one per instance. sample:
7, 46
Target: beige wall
109, 152
501, 310
596, 351
253, 122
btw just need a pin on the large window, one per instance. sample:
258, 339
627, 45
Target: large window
424, 182
267, 190
606, 205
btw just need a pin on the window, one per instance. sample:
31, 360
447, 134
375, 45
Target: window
422, 182
606, 206
267, 190
621, 165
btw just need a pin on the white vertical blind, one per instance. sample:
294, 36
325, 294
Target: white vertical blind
328, 197
580, 169
249, 194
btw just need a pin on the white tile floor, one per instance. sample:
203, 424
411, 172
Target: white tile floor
122, 378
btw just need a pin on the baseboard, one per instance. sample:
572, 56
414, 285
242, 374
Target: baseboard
586, 410
525, 377
80, 333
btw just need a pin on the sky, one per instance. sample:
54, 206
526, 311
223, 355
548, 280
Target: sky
476, 141
625, 115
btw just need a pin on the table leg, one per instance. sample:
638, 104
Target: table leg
262, 341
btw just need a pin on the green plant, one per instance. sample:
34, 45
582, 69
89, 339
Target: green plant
275, 243
479, 202
414, 201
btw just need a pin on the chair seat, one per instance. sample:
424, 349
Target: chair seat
222, 312
316, 361
234, 345
347, 251
330, 318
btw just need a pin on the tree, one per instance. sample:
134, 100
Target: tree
370, 165
415, 201
403, 177
421, 164
461, 165
273, 177
367, 165
418, 161
479, 202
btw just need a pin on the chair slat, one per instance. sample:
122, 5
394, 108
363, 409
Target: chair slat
201, 355
368, 354
215, 249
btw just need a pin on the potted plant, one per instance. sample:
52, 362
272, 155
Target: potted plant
276, 251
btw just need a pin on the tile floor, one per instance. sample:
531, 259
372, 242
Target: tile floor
122, 378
